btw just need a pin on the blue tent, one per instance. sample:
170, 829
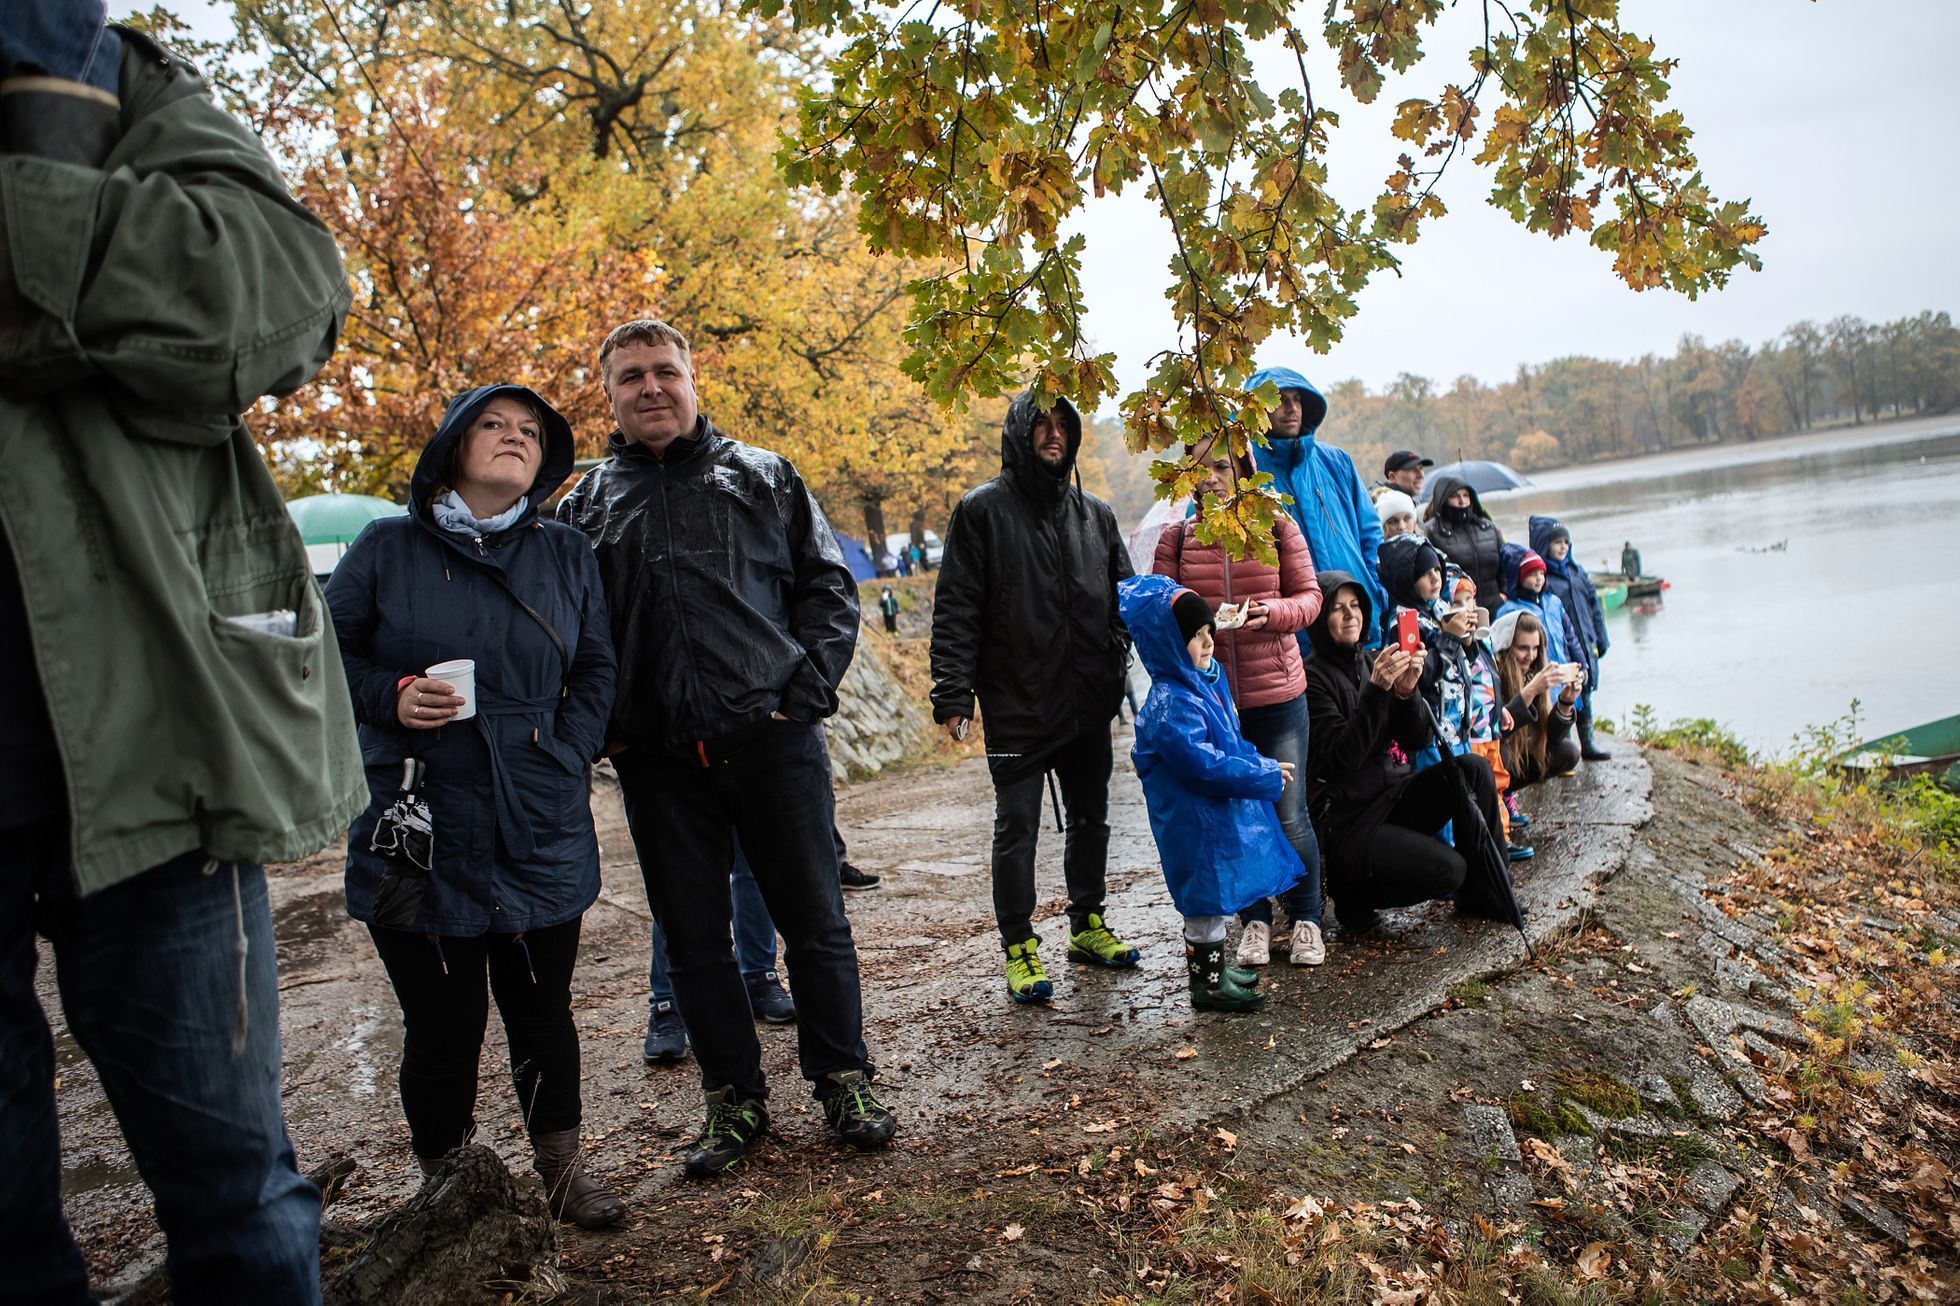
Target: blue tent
863, 566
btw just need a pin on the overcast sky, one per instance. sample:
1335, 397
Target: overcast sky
1830, 116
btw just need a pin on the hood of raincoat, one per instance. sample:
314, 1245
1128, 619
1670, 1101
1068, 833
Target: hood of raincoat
1313, 410
1145, 604
1510, 558
1442, 488
1403, 559
433, 467
1018, 464
1543, 531
1330, 587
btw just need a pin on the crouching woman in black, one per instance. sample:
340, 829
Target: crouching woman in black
473, 572
1378, 817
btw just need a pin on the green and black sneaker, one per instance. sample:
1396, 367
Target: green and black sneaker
1026, 980
1097, 946
732, 1127
853, 1111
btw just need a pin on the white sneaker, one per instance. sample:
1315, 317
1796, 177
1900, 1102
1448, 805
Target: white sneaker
1309, 949
1255, 944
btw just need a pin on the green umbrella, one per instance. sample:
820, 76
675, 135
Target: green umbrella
338, 518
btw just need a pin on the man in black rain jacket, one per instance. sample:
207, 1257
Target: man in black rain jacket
734, 617
1024, 620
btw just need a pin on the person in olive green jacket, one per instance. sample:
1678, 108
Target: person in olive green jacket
172, 707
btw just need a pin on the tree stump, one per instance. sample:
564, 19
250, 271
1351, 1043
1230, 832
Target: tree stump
469, 1235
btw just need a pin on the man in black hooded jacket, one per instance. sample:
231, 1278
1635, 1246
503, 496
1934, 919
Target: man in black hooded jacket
1025, 620
734, 617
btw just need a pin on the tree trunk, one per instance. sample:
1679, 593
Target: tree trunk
469, 1235
874, 528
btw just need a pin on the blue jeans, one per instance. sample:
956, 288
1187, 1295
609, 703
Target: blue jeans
1279, 731
62, 38
755, 935
149, 977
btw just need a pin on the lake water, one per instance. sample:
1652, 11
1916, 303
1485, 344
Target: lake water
1861, 600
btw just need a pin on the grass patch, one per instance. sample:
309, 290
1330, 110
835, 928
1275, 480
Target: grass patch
1603, 1094
1469, 991
1547, 1117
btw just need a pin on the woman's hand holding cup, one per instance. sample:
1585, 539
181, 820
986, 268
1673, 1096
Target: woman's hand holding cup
424, 703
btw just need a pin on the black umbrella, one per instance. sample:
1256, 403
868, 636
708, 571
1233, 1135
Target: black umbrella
1486, 893
405, 838
1483, 477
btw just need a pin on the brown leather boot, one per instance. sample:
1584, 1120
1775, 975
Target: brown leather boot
575, 1196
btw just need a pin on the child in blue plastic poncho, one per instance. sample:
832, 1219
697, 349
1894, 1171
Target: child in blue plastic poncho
1209, 792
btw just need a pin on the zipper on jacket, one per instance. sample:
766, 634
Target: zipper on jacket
680, 608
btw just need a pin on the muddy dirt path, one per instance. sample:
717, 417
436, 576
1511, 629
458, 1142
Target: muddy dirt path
974, 1079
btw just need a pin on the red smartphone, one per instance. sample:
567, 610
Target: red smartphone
1407, 633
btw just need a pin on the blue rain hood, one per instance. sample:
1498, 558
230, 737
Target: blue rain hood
1329, 501
1210, 793
432, 468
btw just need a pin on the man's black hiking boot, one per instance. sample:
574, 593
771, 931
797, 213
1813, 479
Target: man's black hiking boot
852, 878
769, 1001
732, 1127
853, 1112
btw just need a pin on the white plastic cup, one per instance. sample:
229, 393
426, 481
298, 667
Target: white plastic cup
461, 675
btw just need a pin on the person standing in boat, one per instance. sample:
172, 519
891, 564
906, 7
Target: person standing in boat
1629, 561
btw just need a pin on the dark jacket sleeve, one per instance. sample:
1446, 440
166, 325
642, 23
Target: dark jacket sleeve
1583, 580
351, 599
1341, 742
959, 599
823, 608
588, 701
1120, 570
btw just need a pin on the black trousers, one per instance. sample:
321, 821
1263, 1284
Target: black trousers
1403, 862
1082, 768
440, 984
773, 792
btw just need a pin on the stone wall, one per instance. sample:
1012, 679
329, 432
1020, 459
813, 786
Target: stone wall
876, 725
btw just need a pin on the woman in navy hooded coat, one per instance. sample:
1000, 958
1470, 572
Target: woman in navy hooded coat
474, 572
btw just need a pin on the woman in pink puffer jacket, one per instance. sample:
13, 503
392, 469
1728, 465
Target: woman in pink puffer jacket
1262, 663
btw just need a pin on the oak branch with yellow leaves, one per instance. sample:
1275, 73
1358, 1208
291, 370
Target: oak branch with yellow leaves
970, 131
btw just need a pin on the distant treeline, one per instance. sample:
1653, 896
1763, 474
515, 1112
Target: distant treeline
1578, 410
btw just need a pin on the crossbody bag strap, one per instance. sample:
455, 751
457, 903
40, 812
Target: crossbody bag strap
564, 654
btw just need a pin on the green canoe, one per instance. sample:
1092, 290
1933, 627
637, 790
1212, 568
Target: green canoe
1929, 749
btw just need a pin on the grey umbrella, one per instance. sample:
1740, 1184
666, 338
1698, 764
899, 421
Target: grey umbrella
1483, 477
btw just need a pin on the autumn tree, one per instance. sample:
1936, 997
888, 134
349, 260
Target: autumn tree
509, 181
973, 131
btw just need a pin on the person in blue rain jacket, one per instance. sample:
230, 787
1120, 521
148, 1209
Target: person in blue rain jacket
1330, 502
1525, 581
1210, 794
1566, 578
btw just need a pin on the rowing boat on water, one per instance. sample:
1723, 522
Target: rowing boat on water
1929, 749
1630, 587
